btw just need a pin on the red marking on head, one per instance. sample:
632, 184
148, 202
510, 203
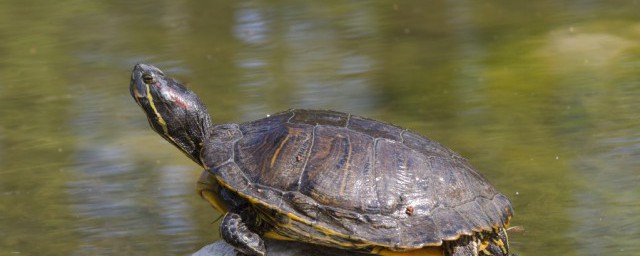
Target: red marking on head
175, 97
178, 100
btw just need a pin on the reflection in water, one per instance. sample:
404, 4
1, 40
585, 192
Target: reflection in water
118, 203
541, 96
310, 63
121, 202
609, 202
468, 57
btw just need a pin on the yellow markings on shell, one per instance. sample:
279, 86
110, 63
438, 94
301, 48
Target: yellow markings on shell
345, 172
275, 155
292, 216
276, 236
325, 230
425, 251
381, 249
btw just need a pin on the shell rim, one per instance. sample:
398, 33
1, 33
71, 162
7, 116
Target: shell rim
366, 242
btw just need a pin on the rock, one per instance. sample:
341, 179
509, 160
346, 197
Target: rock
219, 248
275, 248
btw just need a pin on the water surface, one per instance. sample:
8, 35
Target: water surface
542, 97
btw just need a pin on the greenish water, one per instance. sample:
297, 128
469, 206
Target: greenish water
542, 96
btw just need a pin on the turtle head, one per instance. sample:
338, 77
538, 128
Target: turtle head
173, 111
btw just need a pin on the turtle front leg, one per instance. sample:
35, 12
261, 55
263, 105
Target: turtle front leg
236, 231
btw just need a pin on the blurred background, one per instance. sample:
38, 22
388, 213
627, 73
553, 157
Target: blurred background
543, 97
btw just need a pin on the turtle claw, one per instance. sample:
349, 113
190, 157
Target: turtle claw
235, 232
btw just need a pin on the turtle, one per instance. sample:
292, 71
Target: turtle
328, 178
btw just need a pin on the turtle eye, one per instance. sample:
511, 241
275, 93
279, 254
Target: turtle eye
147, 78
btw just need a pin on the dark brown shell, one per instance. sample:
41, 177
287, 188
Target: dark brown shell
343, 180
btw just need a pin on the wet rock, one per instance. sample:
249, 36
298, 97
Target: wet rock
275, 248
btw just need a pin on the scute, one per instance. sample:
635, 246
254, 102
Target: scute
314, 117
338, 170
375, 129
282, 148
421, 230
475, 216
350, 180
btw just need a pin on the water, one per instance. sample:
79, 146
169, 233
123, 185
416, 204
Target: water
541, 96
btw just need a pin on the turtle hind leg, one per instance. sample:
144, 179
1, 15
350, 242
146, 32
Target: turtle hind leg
464, 246
495, 243
235, 231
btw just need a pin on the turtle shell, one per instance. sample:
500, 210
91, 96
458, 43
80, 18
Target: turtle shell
342, 180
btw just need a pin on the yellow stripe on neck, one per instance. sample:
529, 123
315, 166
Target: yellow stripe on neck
153, 106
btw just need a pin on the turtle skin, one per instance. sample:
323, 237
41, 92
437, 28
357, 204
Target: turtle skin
345, 181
